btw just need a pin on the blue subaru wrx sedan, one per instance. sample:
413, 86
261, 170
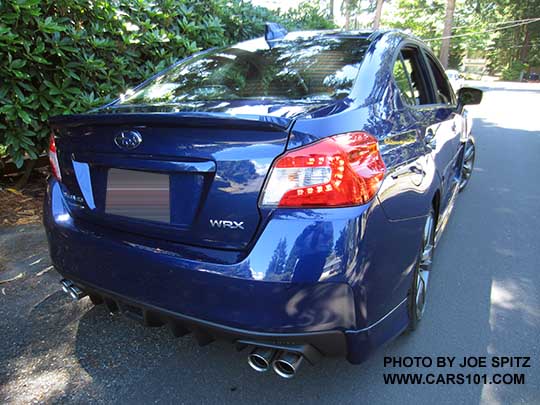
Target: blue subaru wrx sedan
284, 194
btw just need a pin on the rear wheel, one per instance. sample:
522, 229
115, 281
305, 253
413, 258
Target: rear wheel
418, 291
467, 165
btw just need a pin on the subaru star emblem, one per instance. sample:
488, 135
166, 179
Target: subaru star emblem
128, 140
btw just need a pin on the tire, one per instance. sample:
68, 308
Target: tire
467, 165
418, 291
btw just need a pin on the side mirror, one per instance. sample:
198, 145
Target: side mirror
469, 96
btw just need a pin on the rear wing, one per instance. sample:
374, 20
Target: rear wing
191, 119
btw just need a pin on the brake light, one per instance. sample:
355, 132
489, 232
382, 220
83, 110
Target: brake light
341, 170
53, 159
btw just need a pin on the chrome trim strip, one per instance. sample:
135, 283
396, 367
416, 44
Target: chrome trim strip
382, 319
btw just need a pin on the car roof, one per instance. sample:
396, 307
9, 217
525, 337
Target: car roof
394, 36
370, 35
341, 33
329, 33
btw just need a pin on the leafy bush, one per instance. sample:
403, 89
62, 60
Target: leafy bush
307, 16
67, 56
514, 72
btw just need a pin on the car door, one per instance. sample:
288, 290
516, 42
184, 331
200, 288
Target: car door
442, 136
411, 169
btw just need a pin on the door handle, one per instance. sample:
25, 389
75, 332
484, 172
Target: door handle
417, 170
429, 139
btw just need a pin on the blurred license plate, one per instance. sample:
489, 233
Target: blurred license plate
140, 195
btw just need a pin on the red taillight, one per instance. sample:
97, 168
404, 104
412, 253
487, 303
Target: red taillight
341, 170
53, 159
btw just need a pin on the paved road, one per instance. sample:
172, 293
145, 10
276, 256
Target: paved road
484, 301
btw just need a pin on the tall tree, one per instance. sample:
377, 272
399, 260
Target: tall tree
447, 32
378, 12
346, 6
524, 49
514, 48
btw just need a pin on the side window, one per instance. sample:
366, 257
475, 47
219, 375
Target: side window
442, 88
410, 78
403, 82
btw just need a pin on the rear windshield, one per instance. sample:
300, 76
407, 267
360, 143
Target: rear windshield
299, 69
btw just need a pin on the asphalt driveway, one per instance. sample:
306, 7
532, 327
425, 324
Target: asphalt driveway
484, 301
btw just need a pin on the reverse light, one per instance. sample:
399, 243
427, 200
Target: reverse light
53, 159
341, 170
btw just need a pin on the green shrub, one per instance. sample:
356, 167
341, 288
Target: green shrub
514, 71
67, 56
307, 16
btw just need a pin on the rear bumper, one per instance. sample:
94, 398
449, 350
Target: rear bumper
248, 300
328, 343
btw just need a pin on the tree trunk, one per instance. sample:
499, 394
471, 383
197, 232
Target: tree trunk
524, 50
331, 10
23, 180
347, 9
447, 31
378, 12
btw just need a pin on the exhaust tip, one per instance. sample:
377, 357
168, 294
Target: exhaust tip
258, 363
66, 285
284, 369
72, 290
287, 363
260, 359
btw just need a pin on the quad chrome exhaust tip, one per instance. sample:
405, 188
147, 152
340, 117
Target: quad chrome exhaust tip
286, 364
260, 358
72, 290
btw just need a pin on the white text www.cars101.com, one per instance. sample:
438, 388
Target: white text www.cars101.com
453, 378
502, 370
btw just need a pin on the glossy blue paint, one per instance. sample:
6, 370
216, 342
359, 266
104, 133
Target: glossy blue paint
289, 270
217, 174
249, 294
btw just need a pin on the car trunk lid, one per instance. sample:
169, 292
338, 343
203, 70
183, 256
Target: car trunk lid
194, 178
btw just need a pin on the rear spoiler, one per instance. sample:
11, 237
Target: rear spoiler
191, 119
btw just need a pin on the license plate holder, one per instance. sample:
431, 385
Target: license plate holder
138, 194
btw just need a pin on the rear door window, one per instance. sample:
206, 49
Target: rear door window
410, 78
441, 87
403, 82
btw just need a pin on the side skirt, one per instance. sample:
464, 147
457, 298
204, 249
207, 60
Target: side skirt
443, 219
